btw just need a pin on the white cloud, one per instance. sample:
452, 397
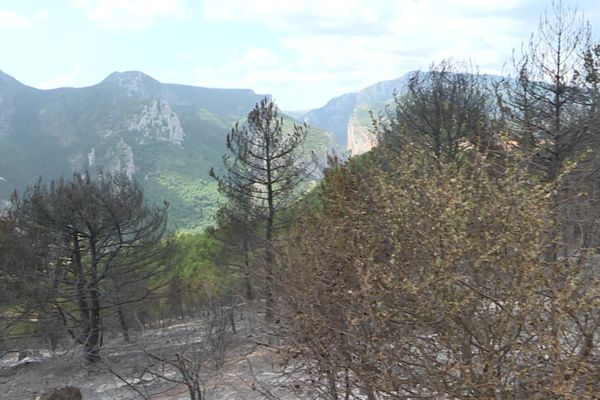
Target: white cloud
336, 14
292, 88
343, 46
246, 70
67, 79
259, 58
40, 16
487, 5
250, 65
12, 20
295, 84
131, 14
297, 14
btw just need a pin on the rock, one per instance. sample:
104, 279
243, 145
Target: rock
158, 122
66, 393
23, 354
121, 159
15, 369
360, 138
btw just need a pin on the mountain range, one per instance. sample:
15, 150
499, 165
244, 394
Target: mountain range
167, 136
348, 116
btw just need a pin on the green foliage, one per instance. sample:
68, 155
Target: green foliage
200, 267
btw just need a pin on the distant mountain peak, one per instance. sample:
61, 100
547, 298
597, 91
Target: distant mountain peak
129, 76
7, 79
136, 82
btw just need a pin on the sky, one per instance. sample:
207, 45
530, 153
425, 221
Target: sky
303, 52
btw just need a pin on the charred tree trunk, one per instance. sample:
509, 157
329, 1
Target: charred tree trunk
123, 323
92, 344
246, 250
82, 302
270, 251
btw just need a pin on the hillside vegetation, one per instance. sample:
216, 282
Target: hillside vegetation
165, 136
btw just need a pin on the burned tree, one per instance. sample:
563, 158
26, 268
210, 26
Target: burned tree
550, 101
104, 244
446, 109
263, 171
552, 107
23, 298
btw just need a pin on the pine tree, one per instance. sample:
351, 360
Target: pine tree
103, 246
264, 170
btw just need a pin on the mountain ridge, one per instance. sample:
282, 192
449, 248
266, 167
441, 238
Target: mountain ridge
338, 113
348, 116
165, 135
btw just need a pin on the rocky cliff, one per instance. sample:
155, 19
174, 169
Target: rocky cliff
347, 116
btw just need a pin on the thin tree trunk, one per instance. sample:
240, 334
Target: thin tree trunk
269, 261
332, 384
347, 384
246, 250
270, 253
92, 344
82, 303
123, 323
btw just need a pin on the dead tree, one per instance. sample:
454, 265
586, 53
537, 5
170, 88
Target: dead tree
104, 246
552, 108
446, 109
549, 101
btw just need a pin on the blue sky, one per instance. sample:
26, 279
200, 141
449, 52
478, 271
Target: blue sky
304, 52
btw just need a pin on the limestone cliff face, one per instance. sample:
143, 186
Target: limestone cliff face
345, 115
360, 137
5, 114
92, 158
334, 116
157, 122
120, 159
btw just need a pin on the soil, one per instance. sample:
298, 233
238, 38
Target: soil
251, 367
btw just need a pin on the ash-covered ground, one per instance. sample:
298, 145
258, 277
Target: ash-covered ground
245, 364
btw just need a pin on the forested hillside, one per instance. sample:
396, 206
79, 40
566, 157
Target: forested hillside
165, 136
